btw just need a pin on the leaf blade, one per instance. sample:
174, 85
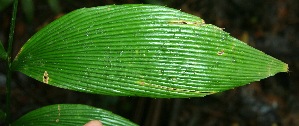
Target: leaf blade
70, 114
141, 50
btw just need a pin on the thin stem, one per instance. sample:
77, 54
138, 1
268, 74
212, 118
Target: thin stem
8, 97
12, 29
9, 52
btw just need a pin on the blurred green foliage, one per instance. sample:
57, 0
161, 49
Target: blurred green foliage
2, 115
28, 7
4, 4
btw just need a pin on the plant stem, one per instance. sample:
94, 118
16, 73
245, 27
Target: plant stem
9, 52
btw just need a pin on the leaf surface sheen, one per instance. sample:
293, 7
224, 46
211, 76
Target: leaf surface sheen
141, 50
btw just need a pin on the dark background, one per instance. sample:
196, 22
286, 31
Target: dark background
268, 25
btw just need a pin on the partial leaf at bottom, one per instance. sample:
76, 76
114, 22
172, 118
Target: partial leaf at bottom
70, 115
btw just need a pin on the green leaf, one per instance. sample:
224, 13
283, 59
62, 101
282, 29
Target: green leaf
141, 50
70, 115
3, 54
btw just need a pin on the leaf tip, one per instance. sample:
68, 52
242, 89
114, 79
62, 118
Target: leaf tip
286, 68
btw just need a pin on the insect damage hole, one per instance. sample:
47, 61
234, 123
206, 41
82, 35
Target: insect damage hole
46, 77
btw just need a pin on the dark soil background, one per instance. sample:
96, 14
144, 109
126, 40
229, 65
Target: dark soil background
268, 25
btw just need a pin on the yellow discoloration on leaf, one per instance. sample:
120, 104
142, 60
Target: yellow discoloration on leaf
286, 68
19, 52
143, 83
58, 108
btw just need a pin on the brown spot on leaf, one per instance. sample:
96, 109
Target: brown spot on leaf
197, 23
46, 77
220, 52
